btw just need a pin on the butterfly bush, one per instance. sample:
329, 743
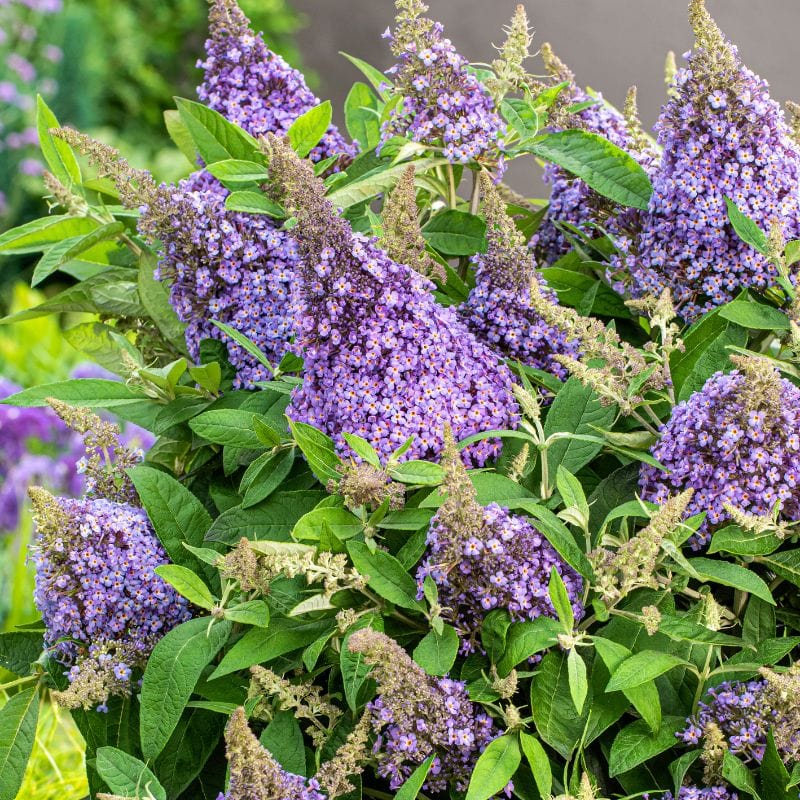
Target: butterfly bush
736, 442
443, 104
722, 137
498, 309
417, 716
252, 86
103, 606
704, 793
571, 200
486, 558
382, 359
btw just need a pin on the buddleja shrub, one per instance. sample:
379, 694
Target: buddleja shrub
451, 496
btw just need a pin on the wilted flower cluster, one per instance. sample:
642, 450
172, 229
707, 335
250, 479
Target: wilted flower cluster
382, 359
443, 104
416, 716
723, 137
485, 558
736, 442
102, 604
498, 310
252, 86
571, 200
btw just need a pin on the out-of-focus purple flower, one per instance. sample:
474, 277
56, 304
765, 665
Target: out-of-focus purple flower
737, 442
31, 166
53, 53
444, 105
103, 606
8, 92
382, 358
21, 66
722, 136
252, 86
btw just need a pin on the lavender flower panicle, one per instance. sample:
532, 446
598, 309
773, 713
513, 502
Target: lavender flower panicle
103, 606
255, 88
485, 558
444, 105
416, 716
722, 136
735, 442
571, 200
699, 793
498, 309
382, 359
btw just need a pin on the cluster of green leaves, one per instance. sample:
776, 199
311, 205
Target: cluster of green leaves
602, 695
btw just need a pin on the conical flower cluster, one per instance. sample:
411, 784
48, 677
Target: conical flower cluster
722, 137
736, 442
571, 200
498, 309
103, 606
443, 104
252, 86
382, 359
485, 558
417, 716
700, 793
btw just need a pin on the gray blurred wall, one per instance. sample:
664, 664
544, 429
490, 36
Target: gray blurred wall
609, 44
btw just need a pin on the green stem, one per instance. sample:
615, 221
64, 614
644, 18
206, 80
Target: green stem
18, 682
476, 192
451, 183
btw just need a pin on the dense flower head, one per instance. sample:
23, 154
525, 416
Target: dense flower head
735, 442
486, 558
498, 309
382, 359
416, 716
252, 86
226, 266
103, 606
571, 200
443, 104
722, 136
700, 793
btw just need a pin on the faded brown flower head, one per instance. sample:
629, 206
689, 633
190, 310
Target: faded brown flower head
362, 484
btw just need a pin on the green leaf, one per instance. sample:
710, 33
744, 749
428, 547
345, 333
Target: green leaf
417, 473
539, 763
260, 645
680, 766
234, 170
456, 233
635, 744
641, 668
373, 75
576, 409
355, 670
437, 652
578, 684
715, 358
84, 392
251, 202
39, 234
732, 575
307, 130
268, 476
177, 515
18, 719
737, 774
732, 539
411, 788
188, 584
19, 650
361, 116
244, 343
284, 739
550, 697
785, 565
602, 165
525, 639
214, 137
495, 767
251, 612
127, 776
386, 575
775, 778
319, 451
180, 135
747, 230
227, 426
67, 249
57, 153
755, 316
561, 603
362, 448
172, 671
341, 522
